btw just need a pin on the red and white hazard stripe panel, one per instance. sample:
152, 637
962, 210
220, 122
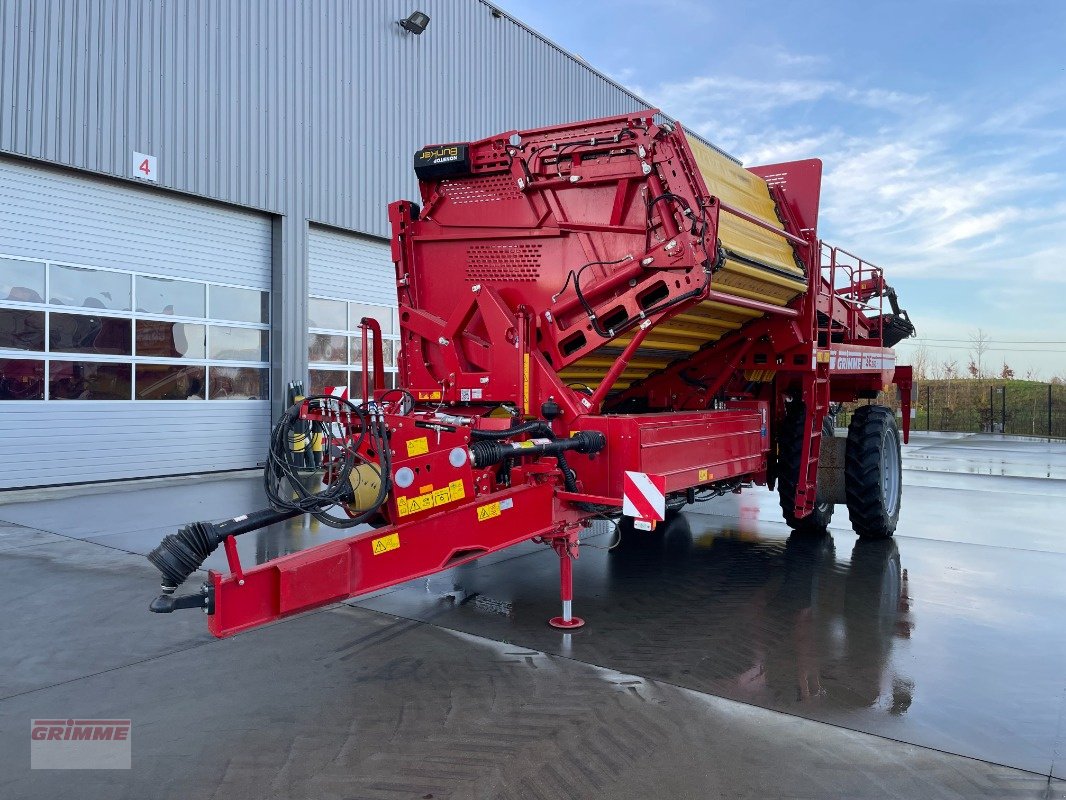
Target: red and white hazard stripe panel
644, 496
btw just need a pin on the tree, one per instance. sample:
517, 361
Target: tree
1006, 373
979, 341
920, 362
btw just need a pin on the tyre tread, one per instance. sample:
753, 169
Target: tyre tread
862, 472
790, 449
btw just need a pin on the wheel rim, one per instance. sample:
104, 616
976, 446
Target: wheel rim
890, 476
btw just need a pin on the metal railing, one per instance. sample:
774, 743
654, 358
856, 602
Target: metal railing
862, 282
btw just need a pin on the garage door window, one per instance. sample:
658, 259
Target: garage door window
75, 332
335, 347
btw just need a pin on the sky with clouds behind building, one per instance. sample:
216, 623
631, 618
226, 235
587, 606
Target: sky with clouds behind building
941, 125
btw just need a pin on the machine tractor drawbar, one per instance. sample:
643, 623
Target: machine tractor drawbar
606, 319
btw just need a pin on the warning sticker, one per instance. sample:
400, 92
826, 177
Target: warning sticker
417, 447
428, 498
412, 505
493, 510
705, 475
489, 511
385, 544
429, 395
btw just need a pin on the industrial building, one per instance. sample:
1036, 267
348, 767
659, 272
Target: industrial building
634, 512
193, 207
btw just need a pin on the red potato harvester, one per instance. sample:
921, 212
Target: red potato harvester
607, 319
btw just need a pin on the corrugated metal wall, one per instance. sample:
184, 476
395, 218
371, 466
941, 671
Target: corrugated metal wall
277, 104
307, 110
106, 440
53, 215
351, 267
58, 215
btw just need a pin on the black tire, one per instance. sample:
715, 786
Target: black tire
789, 451
873, 472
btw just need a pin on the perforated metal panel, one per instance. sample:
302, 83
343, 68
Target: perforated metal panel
503, 262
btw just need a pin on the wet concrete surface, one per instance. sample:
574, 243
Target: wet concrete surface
942, 646
987, 454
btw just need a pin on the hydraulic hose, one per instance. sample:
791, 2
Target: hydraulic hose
535, 427
569, 478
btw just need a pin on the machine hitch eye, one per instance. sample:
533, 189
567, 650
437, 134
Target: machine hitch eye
166, 602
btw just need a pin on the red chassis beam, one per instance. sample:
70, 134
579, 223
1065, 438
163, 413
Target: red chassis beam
689, 450
384, 557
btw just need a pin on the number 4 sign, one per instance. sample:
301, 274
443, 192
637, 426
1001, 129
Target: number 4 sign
144, 167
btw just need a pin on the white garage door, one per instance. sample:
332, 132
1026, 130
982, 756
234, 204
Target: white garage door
134, 328
351, 277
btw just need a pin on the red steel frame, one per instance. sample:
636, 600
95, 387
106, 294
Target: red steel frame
476, 270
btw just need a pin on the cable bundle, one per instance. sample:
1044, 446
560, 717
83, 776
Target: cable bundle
285, 465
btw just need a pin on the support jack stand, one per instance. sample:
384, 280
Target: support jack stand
566, 547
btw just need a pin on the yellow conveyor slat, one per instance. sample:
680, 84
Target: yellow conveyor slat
686, 333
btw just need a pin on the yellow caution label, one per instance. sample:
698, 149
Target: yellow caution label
412, 505
489, 511
428, 498
526, 444
385, 544
823, 356
417, 447
705, 475
429, 395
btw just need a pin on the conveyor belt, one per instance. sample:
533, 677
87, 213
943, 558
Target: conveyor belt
758, 266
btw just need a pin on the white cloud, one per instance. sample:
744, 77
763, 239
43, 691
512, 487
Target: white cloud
928, 189
924, 187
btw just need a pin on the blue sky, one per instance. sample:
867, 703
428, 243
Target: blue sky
941, 125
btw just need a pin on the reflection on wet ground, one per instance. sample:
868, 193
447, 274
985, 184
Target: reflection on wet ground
923, 642
986, 454
950, 636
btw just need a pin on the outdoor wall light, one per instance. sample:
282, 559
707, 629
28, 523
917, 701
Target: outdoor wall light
416, 23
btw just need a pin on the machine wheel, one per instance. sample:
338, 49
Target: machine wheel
790, 450
873, 472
